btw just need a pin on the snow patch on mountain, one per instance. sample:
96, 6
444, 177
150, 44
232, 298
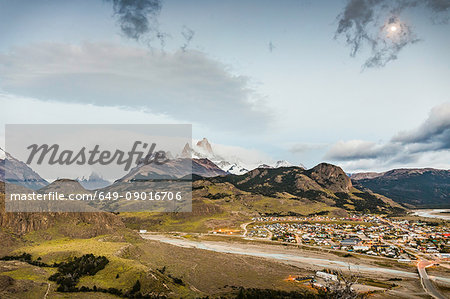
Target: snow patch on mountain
282, 163
232, 168
2, 154
232, 159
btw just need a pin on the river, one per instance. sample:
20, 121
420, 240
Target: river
433, 213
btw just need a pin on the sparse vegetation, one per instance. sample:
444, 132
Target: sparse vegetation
69, 273
27, 258
216, 195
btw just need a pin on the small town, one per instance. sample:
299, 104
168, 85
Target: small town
366, 234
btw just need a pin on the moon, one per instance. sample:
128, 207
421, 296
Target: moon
393, 28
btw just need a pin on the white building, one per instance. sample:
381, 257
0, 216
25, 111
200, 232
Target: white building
326, 276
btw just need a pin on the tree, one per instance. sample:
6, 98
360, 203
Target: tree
342, 288
136, 288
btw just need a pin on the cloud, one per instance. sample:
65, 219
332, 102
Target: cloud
434, 133
431, 138
138, 18
300, 148
187, 86
360, 149
271, 47
249, 158
188, 35
377, 24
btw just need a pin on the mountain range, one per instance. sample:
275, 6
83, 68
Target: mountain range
325, 183
232, 164
17, 172
173, 169
425, 187
93, 181
227, 200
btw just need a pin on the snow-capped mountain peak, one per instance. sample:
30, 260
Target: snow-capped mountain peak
227, 161
264, 166
233, 168
282, 163
2, 154
187, 151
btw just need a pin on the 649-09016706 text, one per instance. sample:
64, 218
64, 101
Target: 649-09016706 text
98, 195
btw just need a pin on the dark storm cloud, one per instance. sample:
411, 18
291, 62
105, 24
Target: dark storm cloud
359, 149
138, 18
432, 136
364, 23
439, 6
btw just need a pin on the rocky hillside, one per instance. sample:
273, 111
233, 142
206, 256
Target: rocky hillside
425, 187
64, 186
70, 224
206, 168
324, 183
227, 201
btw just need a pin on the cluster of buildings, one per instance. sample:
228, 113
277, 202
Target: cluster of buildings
367, 234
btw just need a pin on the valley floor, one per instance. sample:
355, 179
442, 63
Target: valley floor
311, 261
196, 265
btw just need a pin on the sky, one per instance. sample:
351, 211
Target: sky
360, 84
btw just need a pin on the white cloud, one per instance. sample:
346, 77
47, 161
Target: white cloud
72, 113
300, 148
234, 154
426, 146
187, 86
25, 110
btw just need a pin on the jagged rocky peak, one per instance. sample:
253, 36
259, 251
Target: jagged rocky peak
331, 177
94, 181
205, 146
187, 151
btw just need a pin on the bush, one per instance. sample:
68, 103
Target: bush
69, 273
